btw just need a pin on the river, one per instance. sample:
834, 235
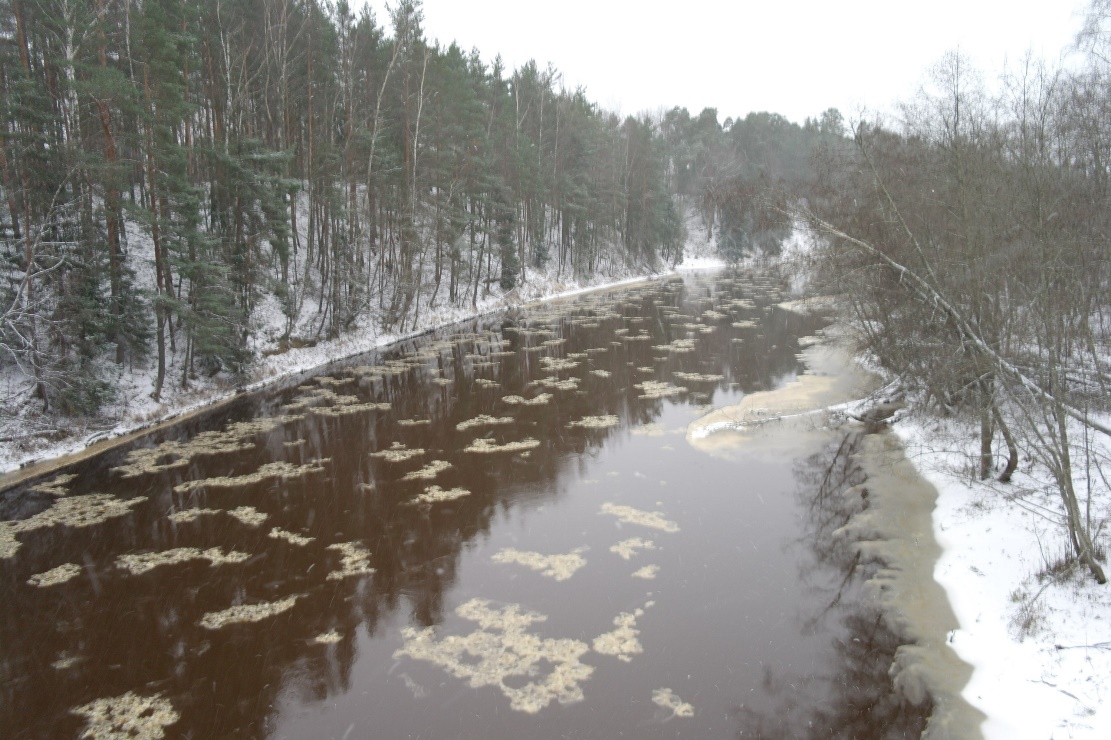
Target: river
500, 530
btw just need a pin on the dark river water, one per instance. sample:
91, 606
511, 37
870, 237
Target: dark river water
495, 531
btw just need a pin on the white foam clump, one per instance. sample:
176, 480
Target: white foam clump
54, 576
627, 548
277, 533
247, 613
397, 453
601, 373
621, 643
70, 511
698, 377
501, 649
281, 470
429, 471
659, 389
552, 364
248, 515
356, 561
56, 486
539, 400
191, 515
552, 381
328, 638
629, 515
139, 563
560, 567
127, 716
173, 454
435, 494
483, 420
486, 446
648, 572
667, 699
677, 347
595, 422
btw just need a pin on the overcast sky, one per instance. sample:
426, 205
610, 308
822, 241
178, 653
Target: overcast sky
796, 58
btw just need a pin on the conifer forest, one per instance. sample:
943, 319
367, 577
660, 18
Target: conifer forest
174, 173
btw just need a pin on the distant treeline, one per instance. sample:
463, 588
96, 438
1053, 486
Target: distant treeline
168, 167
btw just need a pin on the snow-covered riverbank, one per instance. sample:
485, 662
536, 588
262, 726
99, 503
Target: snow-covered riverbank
1036, 631
134, 409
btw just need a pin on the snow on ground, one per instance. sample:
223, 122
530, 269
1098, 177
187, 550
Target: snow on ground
29, 436
1038, 638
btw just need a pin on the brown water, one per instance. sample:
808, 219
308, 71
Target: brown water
571, 568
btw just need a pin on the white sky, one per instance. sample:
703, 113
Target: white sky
795, 58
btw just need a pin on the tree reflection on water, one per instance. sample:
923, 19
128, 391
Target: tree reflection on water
854, 697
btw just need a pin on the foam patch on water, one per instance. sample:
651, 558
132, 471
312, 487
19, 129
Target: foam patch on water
355, 562
277, 533
127, 716
248, 515
191, 515
552, 364
483, 420
622, 642
56, 486
54, 576
501, 649
70, 511
413, 422
247, 613
629, 515
139, 563
667, 699
659, 389
558, 567
628, 548
601, 373
552, 381
330, 637
398, 453
678, 347
429, 471
648, 572
539, 400
435, 494
484, 445
275, 470
174, 454
595, 422
698, 377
